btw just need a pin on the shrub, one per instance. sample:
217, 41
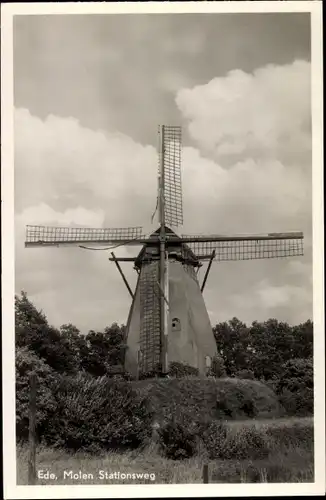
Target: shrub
176, 441
222, 442
292, 434
299, 403
181, 370
245, 374
294, 370
97, 412
223, 407
295, 387
218, 367
27, 362
239, 405
247, 442
214, 435
212, 398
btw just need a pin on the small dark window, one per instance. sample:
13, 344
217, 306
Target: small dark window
176, 326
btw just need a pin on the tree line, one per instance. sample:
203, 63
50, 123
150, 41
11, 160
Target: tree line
271, 351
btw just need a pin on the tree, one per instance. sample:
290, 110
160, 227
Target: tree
34, 332
232, 344
295, 386
104, 350
75, 342
303, 340
271, 344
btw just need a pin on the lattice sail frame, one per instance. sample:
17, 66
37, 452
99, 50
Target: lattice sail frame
242, 248
171, 145
150, 338
53, 235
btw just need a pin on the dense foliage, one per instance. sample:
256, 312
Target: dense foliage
26, 363
177, 441
181, 370
78, 395
262, 348
97, 413
197, 398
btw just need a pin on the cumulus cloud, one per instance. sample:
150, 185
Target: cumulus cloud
254, 132
263, 114
66, 174
58, 160
250, 172
75, 216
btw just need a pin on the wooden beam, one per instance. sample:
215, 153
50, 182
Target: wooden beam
32, 430
162, 268
205, 474
207, 270
169, 240
122, 275
122, 259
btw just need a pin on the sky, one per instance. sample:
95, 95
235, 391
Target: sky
89, 93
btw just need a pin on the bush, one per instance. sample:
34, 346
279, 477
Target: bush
245, 374
214, 435
247, 442
295, 387
218, 368
176, 441
27, 362
223, 408
97, 412
293, 434
240, 405
199, 398
222, 442
299, 403
181, 370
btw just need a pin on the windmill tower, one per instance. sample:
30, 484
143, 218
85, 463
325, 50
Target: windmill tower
168, 320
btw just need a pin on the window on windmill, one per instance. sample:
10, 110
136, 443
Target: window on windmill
176, 325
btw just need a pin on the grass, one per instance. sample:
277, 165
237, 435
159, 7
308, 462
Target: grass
290, 462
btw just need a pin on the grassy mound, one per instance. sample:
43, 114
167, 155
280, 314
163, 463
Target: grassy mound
208, 398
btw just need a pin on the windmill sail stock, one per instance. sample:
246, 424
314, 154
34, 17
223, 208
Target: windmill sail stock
59, 236
168, 320
246, 247
171, 171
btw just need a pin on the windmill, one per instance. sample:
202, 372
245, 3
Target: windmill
168, 320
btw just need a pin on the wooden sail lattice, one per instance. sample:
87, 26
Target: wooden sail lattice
248, 249
150, 342
172, 175
59, 235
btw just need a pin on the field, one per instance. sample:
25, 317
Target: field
291, 459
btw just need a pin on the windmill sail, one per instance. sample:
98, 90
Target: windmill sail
249, 247
150, 336
53, 235
171, 171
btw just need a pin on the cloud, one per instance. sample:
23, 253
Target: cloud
68, 174
172, 81
190, 44
265, 114
59, 162
254, 132
42, 214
